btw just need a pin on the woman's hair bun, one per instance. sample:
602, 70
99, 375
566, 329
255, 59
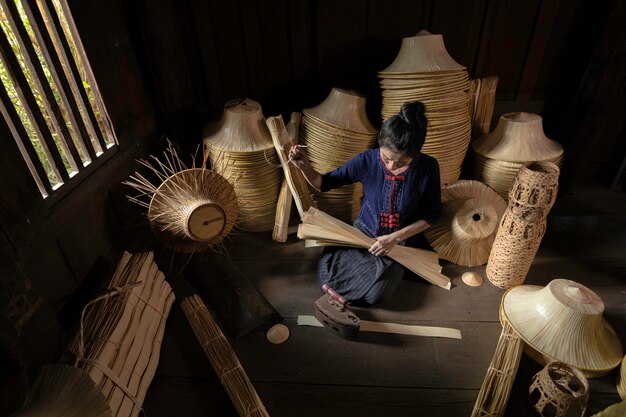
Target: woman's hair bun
414, 114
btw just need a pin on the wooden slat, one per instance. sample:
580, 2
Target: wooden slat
31, 61
30, 106
68, 59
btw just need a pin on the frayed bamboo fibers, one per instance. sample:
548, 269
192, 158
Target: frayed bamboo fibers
494, 393
327, 230
559, 390
523, 224
223, 359
118, 343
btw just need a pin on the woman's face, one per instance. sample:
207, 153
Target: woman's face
395, 161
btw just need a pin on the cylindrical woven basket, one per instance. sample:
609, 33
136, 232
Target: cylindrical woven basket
523, 224
559, 390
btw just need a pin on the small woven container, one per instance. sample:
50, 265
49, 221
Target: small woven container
559, 390
523, 224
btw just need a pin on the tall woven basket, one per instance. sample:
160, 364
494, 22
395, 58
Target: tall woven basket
523, 224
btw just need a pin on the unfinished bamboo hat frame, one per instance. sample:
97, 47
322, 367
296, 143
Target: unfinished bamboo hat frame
563, 322
240, 148
559, 390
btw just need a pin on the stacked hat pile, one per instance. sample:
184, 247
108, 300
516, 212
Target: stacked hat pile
517, 139
424, 71
240, 148
334, 132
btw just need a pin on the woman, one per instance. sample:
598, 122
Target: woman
402, 198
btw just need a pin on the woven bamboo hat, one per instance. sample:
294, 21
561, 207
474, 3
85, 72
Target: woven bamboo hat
621, 380
62, 390
563, 322
240, 148
193, 210
343, 109
469, 222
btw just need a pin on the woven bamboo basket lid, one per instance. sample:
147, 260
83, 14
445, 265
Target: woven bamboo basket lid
62, 390
518, 137
240, 148
424, 52
563, 322
469, 222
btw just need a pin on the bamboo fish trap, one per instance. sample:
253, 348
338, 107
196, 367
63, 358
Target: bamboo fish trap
64, 391
223, 359
335, 131
496, 388
563, 322
523, 224
190, 209
517, 139
424, 71
240, 148
325, 230
467, 228
119, 341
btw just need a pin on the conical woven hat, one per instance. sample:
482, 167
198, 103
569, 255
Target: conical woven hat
424, 52
563, 321
193, 210
241, 128
469, 222
64, 391
344, 109
518, 137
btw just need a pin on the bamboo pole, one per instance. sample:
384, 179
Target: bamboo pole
223, 359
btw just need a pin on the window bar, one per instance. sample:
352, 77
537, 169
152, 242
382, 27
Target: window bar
69, 59
32, 109
90, 77
31, 62
23, 142
58, 74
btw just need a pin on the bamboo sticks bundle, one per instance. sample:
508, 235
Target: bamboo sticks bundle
496, 388
223, 359
485, 102
324, 229
119, 339
283, 210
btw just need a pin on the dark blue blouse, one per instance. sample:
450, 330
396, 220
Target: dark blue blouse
391, 202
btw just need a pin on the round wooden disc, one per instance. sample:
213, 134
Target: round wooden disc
206, 221
277, 334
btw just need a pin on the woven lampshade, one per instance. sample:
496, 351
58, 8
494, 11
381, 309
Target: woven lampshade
563, 322
240, 148
424, 71
471, 213
64, 391
335, 131
517, 139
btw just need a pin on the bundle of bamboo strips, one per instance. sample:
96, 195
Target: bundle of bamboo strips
283, 210
119, 340
484, 104
326, 230
496, 388
223, 359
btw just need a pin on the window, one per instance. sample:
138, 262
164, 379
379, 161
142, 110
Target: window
50, 100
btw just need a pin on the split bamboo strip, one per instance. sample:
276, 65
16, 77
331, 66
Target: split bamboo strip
223, 359
496, 388
474, 93
324, 228
283, 210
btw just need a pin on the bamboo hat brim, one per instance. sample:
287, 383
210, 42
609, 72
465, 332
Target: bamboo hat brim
193, 210
471, 214
344, 109
63, 390
621, 380
241, 128
424, 52
563, 321
518, 137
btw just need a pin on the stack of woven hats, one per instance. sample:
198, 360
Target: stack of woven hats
240, 148
334, 132
517, 139
424, 71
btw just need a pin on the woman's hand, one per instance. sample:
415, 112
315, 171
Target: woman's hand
298, 157
383, 245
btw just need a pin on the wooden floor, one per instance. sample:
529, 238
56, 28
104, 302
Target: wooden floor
316, 372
